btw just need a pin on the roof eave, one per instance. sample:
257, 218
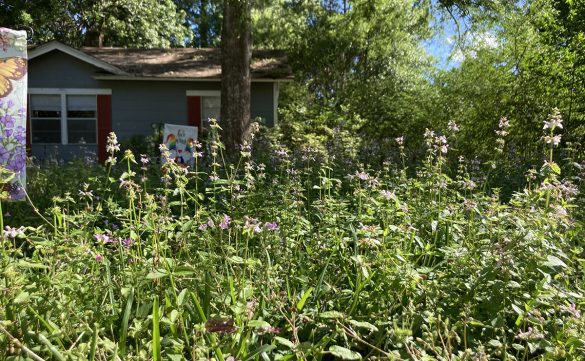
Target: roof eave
55, 45
185, 79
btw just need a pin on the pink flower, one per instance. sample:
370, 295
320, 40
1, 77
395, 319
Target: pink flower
99, 257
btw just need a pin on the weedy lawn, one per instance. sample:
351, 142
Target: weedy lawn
291, 255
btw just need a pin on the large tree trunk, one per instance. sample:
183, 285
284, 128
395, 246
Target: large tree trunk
236, 51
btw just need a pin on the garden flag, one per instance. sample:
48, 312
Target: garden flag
13, 84
180, 141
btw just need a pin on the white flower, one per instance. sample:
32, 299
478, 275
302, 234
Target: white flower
453, 126
555, 120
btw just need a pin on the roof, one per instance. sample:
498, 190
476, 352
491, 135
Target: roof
170, 64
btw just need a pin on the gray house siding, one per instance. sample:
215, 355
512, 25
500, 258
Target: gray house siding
136, 104
59, 70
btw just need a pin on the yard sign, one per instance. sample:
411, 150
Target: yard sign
180, 140
13, 83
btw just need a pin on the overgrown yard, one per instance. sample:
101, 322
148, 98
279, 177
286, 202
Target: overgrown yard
300, 257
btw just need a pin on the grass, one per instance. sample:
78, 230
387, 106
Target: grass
302, 258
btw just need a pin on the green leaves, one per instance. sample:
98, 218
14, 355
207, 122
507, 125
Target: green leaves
344, 353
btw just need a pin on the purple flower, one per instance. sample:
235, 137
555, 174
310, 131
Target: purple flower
10, 103
225, 223
18, 162
4, 155
99, 257
7, 121
271, 226
20, 134
127, 242
203, 226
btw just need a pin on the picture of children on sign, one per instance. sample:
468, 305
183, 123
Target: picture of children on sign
13, 86
180, 140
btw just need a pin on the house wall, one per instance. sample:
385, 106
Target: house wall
136, 104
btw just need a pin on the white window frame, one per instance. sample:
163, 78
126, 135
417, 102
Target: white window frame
63, 93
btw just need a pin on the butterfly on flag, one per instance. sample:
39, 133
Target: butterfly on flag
12, 68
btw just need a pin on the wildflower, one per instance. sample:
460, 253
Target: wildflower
387, 194
225, 223
469, 205
127, 242
112, 144
271, 226
429, 134
213, 123
453, 127
469, 184
144, 159
13, 232
530, 334
99, 257
371, 242
111, 160
568, 189
504, 123
572, 310
282, 153
362, 175
399, 140
555, 120
87, 193
253, 225
554, 139
103, 238
203, 226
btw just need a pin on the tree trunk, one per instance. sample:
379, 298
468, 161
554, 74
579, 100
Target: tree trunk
236, 51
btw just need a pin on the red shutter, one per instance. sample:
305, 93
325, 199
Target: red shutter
194, 111
104, 120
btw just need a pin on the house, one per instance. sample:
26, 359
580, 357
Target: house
78, 96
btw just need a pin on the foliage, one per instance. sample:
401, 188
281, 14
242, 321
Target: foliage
129, 23
308, 255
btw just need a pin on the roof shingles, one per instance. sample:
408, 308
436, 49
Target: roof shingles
188, 62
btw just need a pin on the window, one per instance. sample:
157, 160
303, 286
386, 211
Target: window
202, 105
63, 119
210, 107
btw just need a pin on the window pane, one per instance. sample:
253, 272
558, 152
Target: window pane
45, 102
81, 130
45, 118
46, 130
210, 107
81, 106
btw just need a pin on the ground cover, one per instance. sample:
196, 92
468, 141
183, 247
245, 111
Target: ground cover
293, 254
